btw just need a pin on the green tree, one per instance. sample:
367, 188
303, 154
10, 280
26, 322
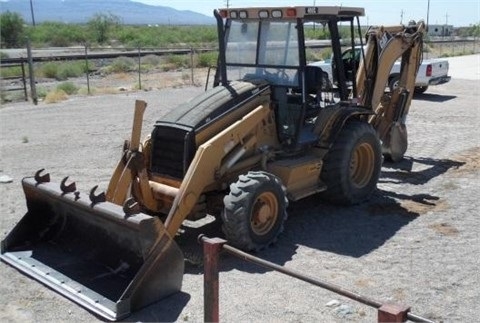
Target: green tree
475, 30
11, 29
101, 25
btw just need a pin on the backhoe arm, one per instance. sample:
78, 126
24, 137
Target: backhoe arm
384, 46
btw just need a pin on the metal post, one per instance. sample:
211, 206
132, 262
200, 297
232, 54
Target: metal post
87, 69
211, 251
392, 313
139, 70
24, 81
33, 89
33, 16
191, 66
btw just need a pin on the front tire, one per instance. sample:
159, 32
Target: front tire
352, 166
255, 211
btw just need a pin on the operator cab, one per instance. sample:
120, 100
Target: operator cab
267, 46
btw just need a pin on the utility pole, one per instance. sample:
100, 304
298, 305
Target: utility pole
428, 13
227, 2
445, 28
33, 16
401, 17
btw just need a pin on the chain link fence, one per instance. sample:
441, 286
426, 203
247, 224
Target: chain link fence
61, 72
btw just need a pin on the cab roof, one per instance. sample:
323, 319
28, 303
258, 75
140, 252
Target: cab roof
308, 12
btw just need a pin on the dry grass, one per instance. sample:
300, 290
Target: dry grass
56, 96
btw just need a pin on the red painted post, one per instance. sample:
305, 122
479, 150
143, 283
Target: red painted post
211, 251
392, 313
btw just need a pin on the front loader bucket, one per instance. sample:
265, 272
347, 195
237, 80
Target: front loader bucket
93, 253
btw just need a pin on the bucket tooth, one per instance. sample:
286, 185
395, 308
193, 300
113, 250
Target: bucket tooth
131, 207
70, 188
42, 178
96, 198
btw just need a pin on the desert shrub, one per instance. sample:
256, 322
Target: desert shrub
56, 96
152, 60
326, 54
101, 25
49, 70
41, 92
11, 96
11, 71
3, 96
62, 71
70, 70
178, 61
207, 59
165, 36
57, 34
122, 64
313, 55
84, 90
103, 28
68, 87
11, 29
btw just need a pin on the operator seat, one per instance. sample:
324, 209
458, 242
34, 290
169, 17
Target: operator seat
316, 80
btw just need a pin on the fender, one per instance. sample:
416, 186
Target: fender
331, 120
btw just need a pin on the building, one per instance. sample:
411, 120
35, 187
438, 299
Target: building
440, 30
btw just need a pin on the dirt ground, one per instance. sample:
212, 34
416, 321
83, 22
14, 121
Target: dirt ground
416, 242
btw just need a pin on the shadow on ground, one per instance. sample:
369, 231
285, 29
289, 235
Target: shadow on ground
403, 171
434, 97
350, 231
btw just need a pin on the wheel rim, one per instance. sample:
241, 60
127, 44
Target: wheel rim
362, 165
264, 213
395, 84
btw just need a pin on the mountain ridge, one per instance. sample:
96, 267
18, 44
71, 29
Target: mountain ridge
130, 12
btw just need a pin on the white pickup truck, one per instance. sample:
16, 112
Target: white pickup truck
431, 71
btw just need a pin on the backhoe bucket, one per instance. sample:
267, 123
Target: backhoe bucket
92, 252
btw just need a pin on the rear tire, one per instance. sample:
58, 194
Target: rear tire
420, 89
352, 166
255, 211
393, 82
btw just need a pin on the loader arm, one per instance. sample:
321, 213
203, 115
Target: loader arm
384, 46
131, 166
210, 163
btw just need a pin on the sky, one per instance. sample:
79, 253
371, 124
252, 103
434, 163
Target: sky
458, 13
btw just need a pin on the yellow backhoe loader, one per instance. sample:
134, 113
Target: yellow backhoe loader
272, 129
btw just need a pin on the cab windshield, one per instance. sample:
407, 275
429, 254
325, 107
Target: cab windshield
266, 50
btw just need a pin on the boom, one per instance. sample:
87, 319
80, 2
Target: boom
384, 46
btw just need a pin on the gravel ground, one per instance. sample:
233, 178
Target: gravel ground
416, 242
